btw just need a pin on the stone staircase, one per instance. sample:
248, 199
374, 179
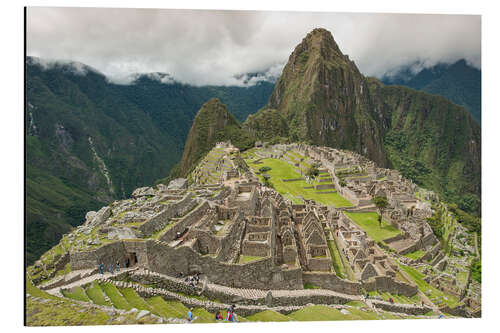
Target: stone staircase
78, 278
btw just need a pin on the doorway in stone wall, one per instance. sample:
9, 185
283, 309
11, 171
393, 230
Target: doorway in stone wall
131, 259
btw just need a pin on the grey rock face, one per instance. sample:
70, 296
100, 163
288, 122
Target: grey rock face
178, 184
95, 219
121, 233
143, 191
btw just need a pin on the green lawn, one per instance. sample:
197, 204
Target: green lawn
134, 299
423, 286
78, 293
245, 259
165, 309
268, 315
369, 223
415, 255
308, 285
95, 293
323, 312
336, 261
114, 295
282, 170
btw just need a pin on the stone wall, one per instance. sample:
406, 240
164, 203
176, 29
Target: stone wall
261, 274
401, 308
208, 242
259, 249
231, 244
174, 209
332, 282
388, 284
185, 222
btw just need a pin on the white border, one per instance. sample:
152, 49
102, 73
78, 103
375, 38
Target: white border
12, 148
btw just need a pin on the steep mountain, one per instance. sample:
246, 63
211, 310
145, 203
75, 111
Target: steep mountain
212, 124
89, 141
86, 145
458, 82
325, 100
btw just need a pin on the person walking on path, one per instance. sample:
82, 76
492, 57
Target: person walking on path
111, 268
190, 315
117, 266
101, 268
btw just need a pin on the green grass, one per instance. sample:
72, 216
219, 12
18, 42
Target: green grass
114, 295
369, 223
203, 316
424, 286
95, 293
322, 312
415, 255
78, 294
268, 315
245, 259
282, 170
336, 261
308, 285
34, 291
62, 313
358, 304
165, 309
134, 299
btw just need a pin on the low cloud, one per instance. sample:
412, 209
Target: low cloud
219, 47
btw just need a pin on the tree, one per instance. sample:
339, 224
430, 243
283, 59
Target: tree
313, 171
381, 203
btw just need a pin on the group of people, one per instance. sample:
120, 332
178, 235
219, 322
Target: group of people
111, 268
192, 280
230, 316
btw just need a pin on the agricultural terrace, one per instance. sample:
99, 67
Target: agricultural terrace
293, 189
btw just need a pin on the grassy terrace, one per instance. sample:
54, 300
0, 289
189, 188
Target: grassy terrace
77, 293
282, 170
64, 311
397, 298
415, 255
435, 295
245, 259
95, 293
336, 261
369, 223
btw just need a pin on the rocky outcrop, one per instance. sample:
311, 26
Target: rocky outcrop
178, 184
94, 219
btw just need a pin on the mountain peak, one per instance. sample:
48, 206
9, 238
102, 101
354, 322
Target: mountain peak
212, 124
319, 42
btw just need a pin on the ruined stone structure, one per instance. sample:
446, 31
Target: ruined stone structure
237, 233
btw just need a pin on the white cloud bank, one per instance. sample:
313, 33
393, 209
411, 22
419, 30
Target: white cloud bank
216, 47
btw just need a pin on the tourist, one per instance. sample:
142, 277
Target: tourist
218, 316
101, 268
117, 266
197, 278
229, 315
111, 268
190, 315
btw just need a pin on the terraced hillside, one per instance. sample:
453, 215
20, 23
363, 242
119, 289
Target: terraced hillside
264, 230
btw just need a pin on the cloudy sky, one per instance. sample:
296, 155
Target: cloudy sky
212, 47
